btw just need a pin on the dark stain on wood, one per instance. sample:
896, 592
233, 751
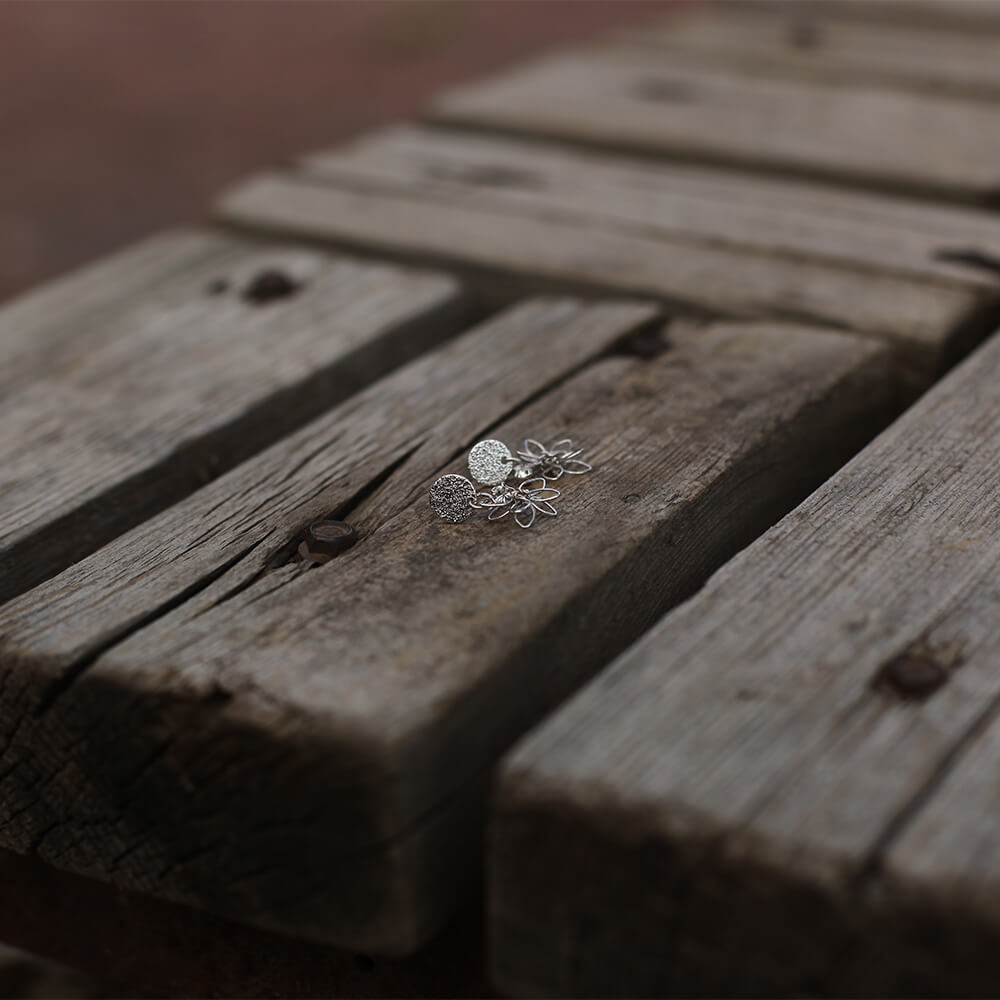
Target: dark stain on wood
805, 35
485, 175
918, 672
646, 343
269, 286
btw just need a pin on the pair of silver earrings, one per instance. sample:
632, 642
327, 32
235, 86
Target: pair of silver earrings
517, 482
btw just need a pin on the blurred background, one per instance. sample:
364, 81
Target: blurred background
121, 118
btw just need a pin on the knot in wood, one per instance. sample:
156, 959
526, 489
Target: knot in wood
326, 539
915, 674
268, 286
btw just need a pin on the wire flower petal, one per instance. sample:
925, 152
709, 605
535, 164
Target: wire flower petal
553, 461
533, 450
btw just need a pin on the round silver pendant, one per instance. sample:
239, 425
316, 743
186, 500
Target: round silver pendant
490, 462
451, 496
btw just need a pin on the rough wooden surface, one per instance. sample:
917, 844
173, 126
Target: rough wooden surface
707, 241
798, 40
52, 328
238, 525
313, 747
788, 786
129, 386
681, 106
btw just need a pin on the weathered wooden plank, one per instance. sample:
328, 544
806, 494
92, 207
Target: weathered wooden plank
798, 40
119, 403
677, 105
708, 241
310, 750
235, 526
701, 205
975, 16
45, 330
788, 786
418, 416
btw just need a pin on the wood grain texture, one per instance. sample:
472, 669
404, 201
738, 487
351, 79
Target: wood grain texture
701, 240
135, 383
680, 106
52, 328
797, 40
238, 529
311, 750
789, 785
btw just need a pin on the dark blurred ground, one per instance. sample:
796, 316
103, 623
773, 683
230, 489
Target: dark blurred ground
117, 119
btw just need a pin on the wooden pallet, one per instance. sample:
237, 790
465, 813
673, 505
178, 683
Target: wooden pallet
723, 254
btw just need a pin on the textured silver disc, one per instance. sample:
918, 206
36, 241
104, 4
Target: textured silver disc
490, 462
450, 497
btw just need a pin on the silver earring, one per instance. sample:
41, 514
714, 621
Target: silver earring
534, 459
524, 500
491, 463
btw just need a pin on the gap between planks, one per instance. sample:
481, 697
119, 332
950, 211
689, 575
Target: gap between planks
686, 108
703, 242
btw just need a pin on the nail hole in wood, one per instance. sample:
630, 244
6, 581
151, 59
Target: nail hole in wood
918, 672
325, 540
647, 343
269, 286
970, 257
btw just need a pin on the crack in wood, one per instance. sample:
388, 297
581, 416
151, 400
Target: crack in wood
73, 671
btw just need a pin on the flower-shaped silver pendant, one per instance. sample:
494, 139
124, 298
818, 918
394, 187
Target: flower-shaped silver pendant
534, 459
524, 501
